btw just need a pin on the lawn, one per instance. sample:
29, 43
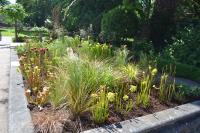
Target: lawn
11, 32
7, 31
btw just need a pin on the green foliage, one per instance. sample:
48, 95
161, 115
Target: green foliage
182, 70
121, 56
40, 31
184, 91
80, 79
34, 64
85, 12
20, 39
4, 2
15, 11
188, 10
100, 110
192, 92
7, 32
119, 23
143, 46
185, 47
38, 10
167, 88
96, 50
143, 98
132, 71
145, 60
100, 78
162, 23
146, 8
78, 82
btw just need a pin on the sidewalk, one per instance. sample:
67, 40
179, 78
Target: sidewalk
4, 83
6, 40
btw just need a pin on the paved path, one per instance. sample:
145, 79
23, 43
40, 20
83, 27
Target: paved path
6, 40
4, 83
187, 82
5, 65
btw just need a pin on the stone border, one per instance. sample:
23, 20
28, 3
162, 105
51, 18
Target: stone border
19, 118
184, 118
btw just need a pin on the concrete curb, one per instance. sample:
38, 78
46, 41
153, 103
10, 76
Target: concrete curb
19, 118
181, 119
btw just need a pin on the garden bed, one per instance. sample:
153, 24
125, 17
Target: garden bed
75, 85
85, 119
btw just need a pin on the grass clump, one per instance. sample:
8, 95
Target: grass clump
167, 88
100, 110
143, 98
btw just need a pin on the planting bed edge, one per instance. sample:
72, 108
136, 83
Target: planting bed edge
19, 118
184, 118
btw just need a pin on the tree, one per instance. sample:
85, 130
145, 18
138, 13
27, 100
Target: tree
16, 13
85, 12
163, 23
4, 2
38, 10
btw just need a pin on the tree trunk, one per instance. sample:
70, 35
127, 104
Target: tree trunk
56, 21
163, 23
16, 31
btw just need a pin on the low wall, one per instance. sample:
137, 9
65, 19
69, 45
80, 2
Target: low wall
19, 118
181, 119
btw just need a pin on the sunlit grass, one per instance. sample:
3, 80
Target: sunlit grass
7, 31
11, 32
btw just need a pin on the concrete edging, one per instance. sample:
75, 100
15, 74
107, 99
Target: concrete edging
181, 119
19, 118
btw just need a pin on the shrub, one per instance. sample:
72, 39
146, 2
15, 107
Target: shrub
182, 70
184, 91
185, 47
119, 23
143, 46
20, 39
40, 31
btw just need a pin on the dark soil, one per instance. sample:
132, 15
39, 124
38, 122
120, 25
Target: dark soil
85, 122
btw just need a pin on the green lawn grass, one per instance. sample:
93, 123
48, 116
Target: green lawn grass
7, 31
11, 32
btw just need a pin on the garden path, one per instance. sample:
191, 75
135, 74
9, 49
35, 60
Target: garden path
187, 82
4, 82
6, 40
